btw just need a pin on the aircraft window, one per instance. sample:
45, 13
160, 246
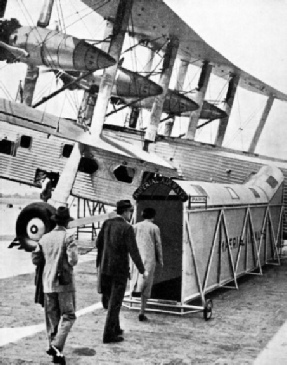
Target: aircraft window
41, 174
272, 181
124, 173
67, 150
199, 189
6, 147
255, 193
232, 193
25, 141
88, 165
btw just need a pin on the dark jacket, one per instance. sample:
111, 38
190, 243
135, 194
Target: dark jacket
115, 242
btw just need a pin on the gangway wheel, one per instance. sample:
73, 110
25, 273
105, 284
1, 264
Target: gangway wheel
207, 310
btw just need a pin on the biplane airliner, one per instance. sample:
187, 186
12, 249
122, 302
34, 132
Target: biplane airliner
89, 158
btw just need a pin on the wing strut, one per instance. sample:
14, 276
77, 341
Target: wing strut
168, 62
233, 83
261, 124
199, 99
182, 72
64, 187
117, 33
134, 110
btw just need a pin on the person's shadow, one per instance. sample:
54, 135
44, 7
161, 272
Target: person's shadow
84, 351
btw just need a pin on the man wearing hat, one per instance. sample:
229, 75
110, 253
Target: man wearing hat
60, 253
115, 242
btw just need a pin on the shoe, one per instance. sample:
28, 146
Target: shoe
50, 352
119, 332
59, 359
53, 351
113, 339
142, 318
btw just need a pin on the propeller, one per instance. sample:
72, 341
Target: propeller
32, 71
45, 15
67, 77
17, 52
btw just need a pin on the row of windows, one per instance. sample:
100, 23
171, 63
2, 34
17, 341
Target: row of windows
234, 195
87, 165
8, 147
231, 191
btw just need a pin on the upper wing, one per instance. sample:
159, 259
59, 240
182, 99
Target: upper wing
155, 21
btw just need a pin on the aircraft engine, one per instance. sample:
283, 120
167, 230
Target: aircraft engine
33, 221
51, 48
174, 103
178, 103
209, 111
132, 84
127, 83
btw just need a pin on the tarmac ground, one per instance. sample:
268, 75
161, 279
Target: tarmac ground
247, 325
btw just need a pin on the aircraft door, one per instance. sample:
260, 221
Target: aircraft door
169, 219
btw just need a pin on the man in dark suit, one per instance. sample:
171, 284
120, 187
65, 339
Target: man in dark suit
115, 242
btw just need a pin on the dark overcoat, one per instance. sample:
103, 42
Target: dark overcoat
115, 242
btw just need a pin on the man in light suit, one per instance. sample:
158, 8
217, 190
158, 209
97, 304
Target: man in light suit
59, 252
115, 242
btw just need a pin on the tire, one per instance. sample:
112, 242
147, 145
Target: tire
33, 221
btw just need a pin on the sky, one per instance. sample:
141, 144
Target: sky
251, 34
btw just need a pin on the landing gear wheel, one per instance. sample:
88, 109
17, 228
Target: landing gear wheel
207, 310
33, 221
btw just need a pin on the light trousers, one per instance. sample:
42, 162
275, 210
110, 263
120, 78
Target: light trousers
60, 316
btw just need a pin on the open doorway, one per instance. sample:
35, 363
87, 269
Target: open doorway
167, 281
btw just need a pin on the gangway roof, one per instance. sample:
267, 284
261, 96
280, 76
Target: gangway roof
258, 190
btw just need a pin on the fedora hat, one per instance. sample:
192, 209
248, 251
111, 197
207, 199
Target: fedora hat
62, 215
124, 204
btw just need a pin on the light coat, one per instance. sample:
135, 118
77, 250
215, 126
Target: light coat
150, 248
51, 246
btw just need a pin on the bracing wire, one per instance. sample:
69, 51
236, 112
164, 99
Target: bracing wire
95, 8
239, 130
6, 91
84, 24
29, 20
70, 96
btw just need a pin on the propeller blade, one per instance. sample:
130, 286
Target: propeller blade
45, 14
17, 52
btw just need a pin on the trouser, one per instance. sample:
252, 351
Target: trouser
60, 316
116, 287
105, 289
